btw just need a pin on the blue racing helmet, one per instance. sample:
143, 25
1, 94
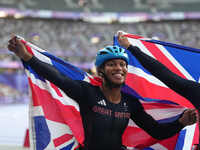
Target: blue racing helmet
111, 52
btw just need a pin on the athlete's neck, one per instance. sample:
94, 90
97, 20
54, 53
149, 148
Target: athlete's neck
112, 94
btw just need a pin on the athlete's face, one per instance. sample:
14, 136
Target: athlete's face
115, 71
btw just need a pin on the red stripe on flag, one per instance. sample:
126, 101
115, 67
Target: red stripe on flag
73, 119
169, 143
196, 139
56, 89
27, 47
96, 81
49, 104
156, 52
153, 91
138, 138
26, 139
62, 139
133, 36
159, 105
35, 100
56, 111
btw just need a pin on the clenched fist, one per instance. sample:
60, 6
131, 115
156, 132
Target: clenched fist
15, 45
189, 117
123, 41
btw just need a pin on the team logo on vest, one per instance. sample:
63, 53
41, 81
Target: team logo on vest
102, 102
125, 106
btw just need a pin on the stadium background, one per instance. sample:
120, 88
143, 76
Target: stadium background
74, 30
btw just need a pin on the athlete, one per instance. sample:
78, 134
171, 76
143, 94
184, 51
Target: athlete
105, 109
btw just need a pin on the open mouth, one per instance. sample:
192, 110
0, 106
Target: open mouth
118, 75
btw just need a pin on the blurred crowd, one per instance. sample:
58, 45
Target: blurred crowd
78, 41
13, 86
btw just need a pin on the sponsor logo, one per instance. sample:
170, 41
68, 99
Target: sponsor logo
102, 102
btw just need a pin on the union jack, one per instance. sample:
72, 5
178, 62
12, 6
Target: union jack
156, 97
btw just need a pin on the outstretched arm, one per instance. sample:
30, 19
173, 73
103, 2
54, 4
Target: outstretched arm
186, 88
72, 88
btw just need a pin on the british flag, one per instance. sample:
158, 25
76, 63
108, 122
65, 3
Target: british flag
156, 97
55, 121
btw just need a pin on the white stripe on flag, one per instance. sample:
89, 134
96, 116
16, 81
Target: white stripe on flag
139, 72
37, 111
67, 143
175, 62
58, 129
34, 47
158, 147
190, 131
42, 57
44, 86
138, 43
159, 114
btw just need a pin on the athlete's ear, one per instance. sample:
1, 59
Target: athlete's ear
101, 74
100, 71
